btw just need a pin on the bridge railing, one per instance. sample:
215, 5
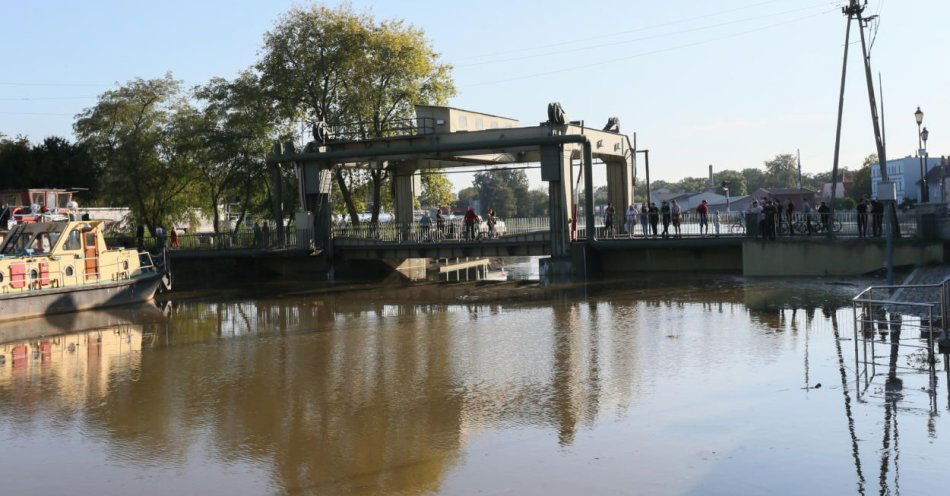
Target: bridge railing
449, 231
739, 224
245, 239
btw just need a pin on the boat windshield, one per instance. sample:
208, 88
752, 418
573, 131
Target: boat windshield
22, 241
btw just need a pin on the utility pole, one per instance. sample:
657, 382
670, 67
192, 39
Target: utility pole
890, 205
886, 189
844, 73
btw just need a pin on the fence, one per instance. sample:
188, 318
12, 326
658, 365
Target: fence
449, 231
738, 224
240, 240
891, 310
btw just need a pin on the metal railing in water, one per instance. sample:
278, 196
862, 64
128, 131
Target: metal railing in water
890, 311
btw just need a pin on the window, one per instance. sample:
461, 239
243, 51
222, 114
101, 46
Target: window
494, 124
73, 241
479, 124
69, 271
463, 123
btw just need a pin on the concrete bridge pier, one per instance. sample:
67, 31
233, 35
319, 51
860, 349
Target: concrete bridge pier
620, 174
406, 187
315, 185
556, 171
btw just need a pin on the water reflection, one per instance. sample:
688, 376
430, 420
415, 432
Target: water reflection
370, 392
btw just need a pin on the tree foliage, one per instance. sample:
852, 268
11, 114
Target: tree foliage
134, 133
436, 190
355, 73
53, 163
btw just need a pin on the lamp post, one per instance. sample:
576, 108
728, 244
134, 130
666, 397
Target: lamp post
725, 187
924, 193
926, 156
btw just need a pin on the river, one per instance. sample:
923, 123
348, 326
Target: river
647, 386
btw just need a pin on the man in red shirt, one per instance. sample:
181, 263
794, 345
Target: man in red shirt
703, 211
471, 218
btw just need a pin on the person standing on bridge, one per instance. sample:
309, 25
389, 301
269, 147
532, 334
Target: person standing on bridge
424, 224
470, 219
716, 221
806, 211
789, 214
174, 238
862, 209
645, 219
609, 220
667, 217
440, 222
258, 235
654, 219
703, 211
824, 216
677, 218
877, 217
631, 217
266, 232
492, 220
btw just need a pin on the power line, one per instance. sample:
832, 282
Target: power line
34, 113
617, 33
651, 52
38, 98
9, 83
653, 36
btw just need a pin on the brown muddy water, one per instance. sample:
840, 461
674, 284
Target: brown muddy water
645, 387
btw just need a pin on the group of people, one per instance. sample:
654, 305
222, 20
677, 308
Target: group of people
471, 222
649, 217
873, 210
163, 238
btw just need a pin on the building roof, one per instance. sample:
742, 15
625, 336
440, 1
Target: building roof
786, 191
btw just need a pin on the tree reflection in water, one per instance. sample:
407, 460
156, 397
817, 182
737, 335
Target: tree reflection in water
359, 394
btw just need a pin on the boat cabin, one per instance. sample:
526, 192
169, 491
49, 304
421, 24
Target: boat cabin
19, 206
53, 255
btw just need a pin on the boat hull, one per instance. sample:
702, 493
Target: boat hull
64, 300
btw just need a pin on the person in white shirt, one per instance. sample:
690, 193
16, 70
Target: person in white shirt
632, 217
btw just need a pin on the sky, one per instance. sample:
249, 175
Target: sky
730, 83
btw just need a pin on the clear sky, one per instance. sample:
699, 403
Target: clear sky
729, 83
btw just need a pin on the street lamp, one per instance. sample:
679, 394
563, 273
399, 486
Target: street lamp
924, 193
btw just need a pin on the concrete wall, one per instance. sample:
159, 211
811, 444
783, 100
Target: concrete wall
842, 257
661, 258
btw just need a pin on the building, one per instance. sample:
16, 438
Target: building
905, 172
843, 187
685, 200
436, 120
795, 195
937, 181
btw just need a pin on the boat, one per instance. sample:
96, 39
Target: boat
65, 266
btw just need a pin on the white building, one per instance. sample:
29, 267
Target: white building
905, 172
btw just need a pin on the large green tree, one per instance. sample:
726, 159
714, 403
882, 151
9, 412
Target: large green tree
504, 190
436, 190
782, 171
53, 163
357, 74
230, 136
133, 132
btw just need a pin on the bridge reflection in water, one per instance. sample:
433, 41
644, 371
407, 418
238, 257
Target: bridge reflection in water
668, 388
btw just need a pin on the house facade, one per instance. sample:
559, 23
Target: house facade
905, 173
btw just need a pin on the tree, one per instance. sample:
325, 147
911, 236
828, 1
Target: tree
505, 190
54, 163
231, 136
355, 74
436, 190
538, 203
735, 181
782, 171
754, 179
467, 197
398, 69
131, 132
862, 178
